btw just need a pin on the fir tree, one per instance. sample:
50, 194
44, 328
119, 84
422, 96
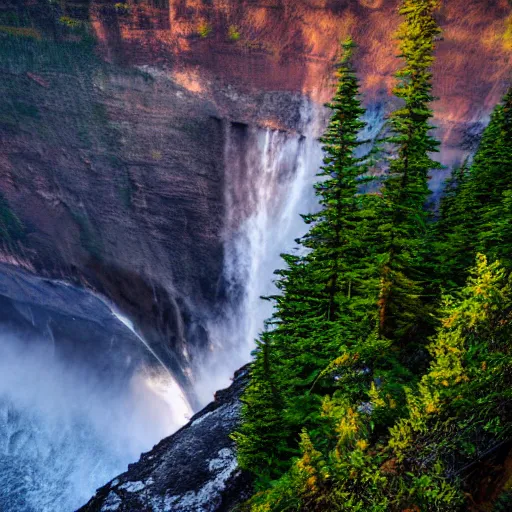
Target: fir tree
324, 302
450, 234
476, 212
405, 191
332, 418
337, 228
262, 439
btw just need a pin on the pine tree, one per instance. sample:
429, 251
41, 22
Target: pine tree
401, 304
450, 236
261, 438
337, 228
325, 301
490, 184
338, 279
462, 405
477, 212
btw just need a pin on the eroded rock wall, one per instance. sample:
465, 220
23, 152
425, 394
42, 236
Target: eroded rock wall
114, 117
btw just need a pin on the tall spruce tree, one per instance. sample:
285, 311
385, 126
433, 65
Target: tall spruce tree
450, 234
338, 283
338, 226
401, 305
323, 301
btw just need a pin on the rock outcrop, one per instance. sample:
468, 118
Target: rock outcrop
194, 470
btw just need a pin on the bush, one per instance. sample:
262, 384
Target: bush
233, 33
204, 29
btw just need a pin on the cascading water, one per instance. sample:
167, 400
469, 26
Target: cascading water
269, 177
160, 379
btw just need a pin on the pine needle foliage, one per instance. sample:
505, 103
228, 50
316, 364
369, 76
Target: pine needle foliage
402, 302
455, 419
477, 211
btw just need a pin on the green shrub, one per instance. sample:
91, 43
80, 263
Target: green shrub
233, 33
204, 29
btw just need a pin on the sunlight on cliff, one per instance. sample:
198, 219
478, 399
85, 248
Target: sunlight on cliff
190, 80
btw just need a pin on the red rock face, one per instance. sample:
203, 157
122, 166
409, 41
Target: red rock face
113, 156
285, 45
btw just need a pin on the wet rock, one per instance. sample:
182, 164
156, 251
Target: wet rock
194, 470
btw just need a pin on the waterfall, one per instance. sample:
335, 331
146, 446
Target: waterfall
269, 176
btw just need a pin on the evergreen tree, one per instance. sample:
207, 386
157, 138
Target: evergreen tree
476, 214
333, 420
490, 184
337, 235
450, 234
457, 418
401, 305
260, 440
325, 301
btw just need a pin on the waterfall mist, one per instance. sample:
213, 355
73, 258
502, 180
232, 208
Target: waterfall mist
81, 397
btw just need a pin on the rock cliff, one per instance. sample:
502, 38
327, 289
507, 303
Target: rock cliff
124, 125
114, 120
194, 470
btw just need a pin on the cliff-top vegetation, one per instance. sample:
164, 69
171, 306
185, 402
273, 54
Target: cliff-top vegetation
383, 380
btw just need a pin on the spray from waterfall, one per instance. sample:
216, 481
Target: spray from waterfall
161, 381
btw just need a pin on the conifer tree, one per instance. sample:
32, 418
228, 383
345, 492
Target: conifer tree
450, 235
490, 184
337, 228
476, 213
406, 190
322, 290
323, 301
262, 438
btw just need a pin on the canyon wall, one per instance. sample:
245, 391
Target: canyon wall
116, 117
217, 47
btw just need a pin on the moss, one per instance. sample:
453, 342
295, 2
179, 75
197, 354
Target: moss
507, 35
122, 8
70, 22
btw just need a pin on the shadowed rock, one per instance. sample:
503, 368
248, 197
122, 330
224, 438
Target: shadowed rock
194, 470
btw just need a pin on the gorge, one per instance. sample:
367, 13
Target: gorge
155, 157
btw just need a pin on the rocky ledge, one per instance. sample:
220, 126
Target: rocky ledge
194, 470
